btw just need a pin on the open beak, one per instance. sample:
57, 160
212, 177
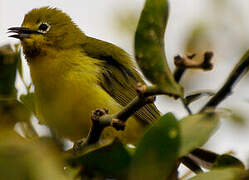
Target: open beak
21, 32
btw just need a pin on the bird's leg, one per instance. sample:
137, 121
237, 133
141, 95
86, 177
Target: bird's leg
98, 124
101, 119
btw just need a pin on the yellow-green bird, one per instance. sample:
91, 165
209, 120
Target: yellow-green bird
74, 74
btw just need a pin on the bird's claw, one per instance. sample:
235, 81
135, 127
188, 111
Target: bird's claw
98, 113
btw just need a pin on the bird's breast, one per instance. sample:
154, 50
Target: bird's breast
66, 93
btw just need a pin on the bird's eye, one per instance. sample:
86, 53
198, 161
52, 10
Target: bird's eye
44, 27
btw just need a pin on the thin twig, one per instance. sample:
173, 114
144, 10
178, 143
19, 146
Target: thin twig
101, 119
189, 62
184, 63
186, 106
180, 70
226, 89
178, 73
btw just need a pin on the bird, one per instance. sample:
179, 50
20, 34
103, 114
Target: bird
74, 74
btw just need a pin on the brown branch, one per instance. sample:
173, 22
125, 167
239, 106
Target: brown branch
178, 73
182, 64
189, 62
185, 105
101, 119
205, 158
226, 89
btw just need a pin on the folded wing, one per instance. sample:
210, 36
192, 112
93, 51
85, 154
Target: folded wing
118, 76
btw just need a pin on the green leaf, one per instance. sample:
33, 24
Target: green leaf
156, 154
197, 95
226, 160
11, 112
8, 65
24, 159
220, 174
149, 47
196, 130
110, 159
29, 101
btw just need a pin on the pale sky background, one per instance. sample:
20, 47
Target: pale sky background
228, 28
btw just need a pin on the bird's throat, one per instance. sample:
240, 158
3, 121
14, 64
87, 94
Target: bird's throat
31, 53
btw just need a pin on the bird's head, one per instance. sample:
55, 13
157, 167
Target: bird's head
47, 28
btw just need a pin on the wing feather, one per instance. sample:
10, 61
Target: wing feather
118, 76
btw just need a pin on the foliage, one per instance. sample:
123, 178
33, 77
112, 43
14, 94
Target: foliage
149, 46
159, 152
196, 129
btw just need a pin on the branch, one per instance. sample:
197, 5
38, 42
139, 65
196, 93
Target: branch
206, 157
179, 73
182, 64
101, 119
226, 89
185, 105
189, 62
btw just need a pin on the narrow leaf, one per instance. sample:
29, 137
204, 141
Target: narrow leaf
149, 46
156, 154
197, 95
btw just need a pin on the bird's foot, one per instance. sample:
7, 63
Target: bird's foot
98, 113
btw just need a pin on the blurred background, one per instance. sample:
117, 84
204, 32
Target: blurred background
195, 26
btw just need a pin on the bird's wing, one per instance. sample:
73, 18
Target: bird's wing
119, 77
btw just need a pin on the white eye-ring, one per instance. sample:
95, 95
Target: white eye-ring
43, 27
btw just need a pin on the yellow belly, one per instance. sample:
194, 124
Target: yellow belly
65, 100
